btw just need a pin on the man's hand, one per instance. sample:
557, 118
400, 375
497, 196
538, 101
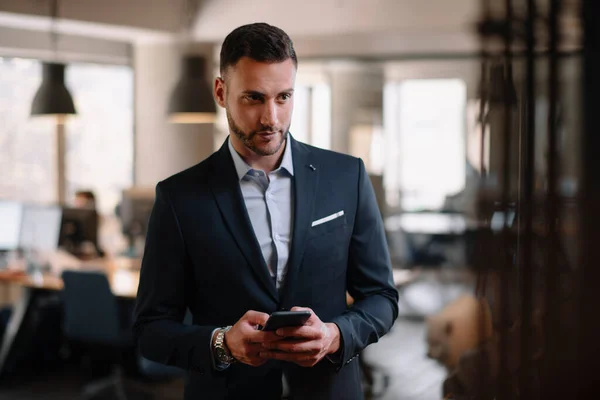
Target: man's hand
304, 345
245, 341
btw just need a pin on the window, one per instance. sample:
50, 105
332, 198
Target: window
27, 146
99, 140
425, 138
311, 120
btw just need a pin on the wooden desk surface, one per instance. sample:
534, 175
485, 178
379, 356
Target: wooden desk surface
123, 275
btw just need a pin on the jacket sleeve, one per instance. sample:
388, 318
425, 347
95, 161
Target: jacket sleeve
163, 290
369, 278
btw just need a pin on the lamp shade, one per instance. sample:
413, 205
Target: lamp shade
53, 97
192, 100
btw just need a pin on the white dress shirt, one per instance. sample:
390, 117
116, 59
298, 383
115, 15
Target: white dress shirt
269, 200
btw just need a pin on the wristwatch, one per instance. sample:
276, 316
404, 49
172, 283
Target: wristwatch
221, 351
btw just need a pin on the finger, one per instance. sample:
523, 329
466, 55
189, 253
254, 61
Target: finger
296, 308
291, 357
255, 317
313, 320
255, 361
251, 355
302, 332
260, 337
293, 346
267, 337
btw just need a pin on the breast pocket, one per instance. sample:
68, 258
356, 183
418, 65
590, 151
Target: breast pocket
327, 243
327, 224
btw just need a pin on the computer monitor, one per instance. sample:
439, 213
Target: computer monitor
135, 209
40, 227
78, 225
11, 213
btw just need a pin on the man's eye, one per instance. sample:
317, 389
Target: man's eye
252, 97
285, 96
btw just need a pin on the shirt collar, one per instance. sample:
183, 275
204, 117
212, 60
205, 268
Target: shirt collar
242, 168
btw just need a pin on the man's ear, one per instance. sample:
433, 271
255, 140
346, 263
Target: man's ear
219, 91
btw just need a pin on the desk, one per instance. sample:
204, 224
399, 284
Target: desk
123, 276
431, 223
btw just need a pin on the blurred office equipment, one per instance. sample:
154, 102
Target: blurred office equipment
429, 239
40, 227
79, 232
134, 212
10, 226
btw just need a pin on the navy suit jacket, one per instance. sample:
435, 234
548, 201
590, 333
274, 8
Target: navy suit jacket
201, 253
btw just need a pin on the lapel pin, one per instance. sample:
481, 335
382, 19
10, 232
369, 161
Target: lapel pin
312, 167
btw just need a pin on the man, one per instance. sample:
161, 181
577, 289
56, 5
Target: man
264, 224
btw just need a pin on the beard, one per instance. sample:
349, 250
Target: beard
247, 138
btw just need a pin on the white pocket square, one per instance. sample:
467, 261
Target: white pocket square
328, 218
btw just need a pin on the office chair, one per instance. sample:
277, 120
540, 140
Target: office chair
91, 318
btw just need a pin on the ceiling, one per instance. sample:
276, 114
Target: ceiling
392, 26
333, 17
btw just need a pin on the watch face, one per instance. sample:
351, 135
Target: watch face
222, 355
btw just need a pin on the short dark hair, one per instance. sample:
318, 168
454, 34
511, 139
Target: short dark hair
88, 194
260, 42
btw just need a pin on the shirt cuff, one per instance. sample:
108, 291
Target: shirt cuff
217, 365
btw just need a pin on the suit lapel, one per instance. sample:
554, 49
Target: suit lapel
306, 178
228, 195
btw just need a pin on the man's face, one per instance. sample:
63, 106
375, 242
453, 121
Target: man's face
258, 98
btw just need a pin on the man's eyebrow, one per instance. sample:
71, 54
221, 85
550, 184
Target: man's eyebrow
253, 92
257, 93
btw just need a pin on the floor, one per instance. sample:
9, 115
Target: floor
400, 356
67, 384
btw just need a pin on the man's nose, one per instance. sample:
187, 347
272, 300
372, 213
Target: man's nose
269, 115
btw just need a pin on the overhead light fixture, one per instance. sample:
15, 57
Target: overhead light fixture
192, 100
53, 98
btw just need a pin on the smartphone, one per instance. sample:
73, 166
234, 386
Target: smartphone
282, 319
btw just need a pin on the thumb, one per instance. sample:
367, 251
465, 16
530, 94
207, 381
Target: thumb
255, 318
301, 309
313, 318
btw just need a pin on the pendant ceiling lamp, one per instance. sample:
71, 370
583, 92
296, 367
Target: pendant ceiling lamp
53, 98
192, 101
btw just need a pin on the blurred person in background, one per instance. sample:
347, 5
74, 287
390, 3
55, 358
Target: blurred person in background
85, 199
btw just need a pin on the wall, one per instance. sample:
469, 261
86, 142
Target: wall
162, 148
356, 98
